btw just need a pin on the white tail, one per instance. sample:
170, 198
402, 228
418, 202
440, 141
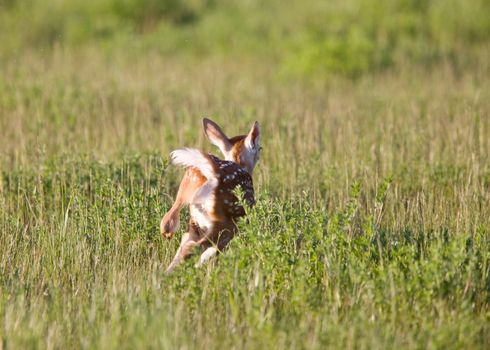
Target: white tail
191, 157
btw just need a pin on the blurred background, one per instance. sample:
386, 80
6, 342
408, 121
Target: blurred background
350, 85
303, 39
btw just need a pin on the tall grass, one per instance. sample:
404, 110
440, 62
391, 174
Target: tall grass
371, 228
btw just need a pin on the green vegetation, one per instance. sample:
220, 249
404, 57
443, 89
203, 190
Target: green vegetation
371, 228
307, 38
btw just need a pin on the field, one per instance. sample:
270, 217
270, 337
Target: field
372, 225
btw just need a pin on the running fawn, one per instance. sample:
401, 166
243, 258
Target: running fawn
208, 188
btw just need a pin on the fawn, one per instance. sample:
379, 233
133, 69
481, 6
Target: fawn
207, 187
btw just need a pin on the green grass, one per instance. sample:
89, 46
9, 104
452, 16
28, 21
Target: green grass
371, 228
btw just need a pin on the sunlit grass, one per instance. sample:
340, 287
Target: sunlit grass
371, 228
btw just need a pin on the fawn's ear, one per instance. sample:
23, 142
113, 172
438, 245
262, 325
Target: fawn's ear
252, 139
216, 135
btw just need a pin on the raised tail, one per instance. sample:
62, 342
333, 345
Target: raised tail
191, 157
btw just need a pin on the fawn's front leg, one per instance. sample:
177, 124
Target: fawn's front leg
206, 256
220, 236
192, 181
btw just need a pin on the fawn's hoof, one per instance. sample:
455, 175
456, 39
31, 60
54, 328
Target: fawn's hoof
168, 226
167, 235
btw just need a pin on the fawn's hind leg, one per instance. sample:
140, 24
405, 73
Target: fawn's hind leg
222, 235
191, 182
188, 242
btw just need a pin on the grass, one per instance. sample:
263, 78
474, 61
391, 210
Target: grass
371, 228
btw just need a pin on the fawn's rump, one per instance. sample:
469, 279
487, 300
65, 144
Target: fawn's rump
215, 206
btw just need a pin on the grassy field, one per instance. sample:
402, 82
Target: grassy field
372, 225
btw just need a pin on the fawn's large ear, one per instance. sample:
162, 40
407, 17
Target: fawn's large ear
252, 139
216, 135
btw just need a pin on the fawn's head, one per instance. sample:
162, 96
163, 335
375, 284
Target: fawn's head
243, 149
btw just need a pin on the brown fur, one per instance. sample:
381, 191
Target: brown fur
236, 149
192, 181
225, 208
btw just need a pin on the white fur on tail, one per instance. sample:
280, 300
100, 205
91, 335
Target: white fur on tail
191, 157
